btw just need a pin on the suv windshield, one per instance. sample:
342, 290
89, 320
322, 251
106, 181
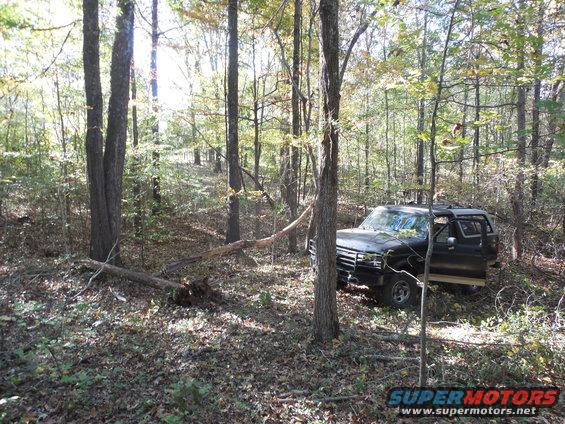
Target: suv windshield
398, 223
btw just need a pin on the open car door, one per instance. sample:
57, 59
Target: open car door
460, 260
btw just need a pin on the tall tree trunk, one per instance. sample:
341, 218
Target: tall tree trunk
292, 197
463, 135
105, 169
387, 147
423, 354
135, 165
100, 235
517, 197
476, 134
421, 119
155, 180
535, 158
558, 98
326, 324
307, 114
234, 180
256, 139
197, 159
116, 131
218, 160
64, 166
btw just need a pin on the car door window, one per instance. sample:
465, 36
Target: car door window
473, 228
441, 229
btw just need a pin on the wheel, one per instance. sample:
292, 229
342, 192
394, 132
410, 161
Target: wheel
469, 290
400, 292
341, 284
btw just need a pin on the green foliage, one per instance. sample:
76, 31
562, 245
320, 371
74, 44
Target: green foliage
265, 299
188, 394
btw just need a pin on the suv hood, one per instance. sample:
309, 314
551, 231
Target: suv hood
366, 240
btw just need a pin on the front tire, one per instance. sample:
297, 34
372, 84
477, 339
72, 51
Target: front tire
400, 292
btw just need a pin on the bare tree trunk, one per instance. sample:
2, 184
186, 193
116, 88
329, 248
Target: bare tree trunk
197, 159
557, 95
100, 235
536, 157
387, 147
367, 144
476, 134
517, 197
135, 165
234, 180
116, 131
155, 180
421, 119
292, 197
326, 324
256, 139
218, 160
423, 354
463, 135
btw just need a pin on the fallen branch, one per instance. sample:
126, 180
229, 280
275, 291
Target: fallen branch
139, 277
188, 294
235, 246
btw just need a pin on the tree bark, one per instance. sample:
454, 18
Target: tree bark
423, 354
477, 131
234, 180
136, 189
517, 196
421, 120
463, 135
558, 98
292, 196
116, 131
155, 180
139, 277
100, 234
536, 157
326, 324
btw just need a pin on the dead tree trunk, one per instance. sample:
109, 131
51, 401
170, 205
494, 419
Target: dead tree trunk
235, 246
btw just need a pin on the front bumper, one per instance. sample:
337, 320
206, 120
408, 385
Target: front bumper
356, 267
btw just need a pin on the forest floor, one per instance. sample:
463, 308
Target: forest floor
121, 352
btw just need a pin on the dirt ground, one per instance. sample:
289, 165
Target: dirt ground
121, 352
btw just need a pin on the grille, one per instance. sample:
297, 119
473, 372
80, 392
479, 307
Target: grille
349, 259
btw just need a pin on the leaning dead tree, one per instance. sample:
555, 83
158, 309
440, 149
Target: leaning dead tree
185, 292
236, 246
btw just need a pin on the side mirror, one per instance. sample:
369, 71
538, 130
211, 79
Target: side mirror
451, 241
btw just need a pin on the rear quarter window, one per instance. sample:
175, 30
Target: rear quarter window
471, 228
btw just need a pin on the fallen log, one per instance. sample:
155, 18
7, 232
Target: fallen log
235, 246
182, 294
139, 277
